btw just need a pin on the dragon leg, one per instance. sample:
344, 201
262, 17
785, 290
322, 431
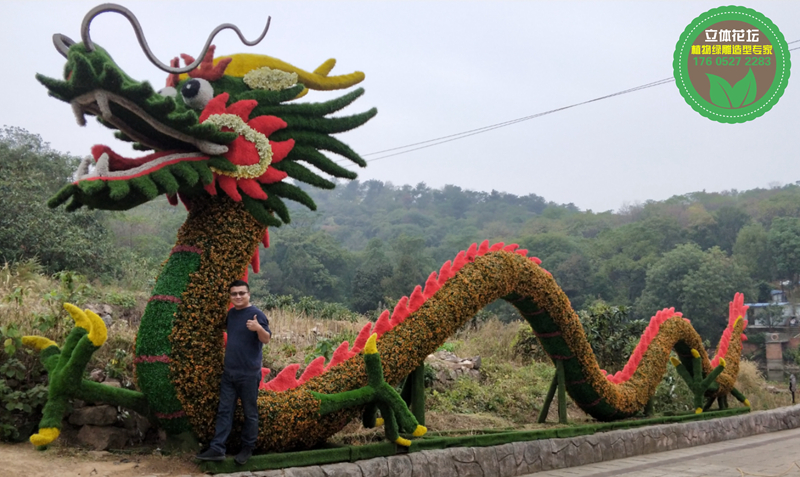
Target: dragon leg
377, 393
65, 368
699, 385
714, 379
740, 397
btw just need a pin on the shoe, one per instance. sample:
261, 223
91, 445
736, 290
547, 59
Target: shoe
242, 457
210, 455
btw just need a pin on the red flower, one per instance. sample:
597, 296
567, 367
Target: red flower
248, 152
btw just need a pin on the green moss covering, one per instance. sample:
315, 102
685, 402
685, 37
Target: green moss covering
311, 109
152, 340
490, 438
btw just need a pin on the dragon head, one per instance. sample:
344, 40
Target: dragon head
220, 126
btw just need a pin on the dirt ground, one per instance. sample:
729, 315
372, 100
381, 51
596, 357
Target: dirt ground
24, 460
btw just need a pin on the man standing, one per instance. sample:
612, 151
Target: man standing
248, 331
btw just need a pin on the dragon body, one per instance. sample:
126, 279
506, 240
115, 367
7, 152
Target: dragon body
227, 157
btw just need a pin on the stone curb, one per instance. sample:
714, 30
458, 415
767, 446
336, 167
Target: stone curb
520, 458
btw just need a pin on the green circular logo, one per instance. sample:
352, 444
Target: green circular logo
731, 64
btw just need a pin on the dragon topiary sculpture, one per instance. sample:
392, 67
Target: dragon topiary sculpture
225, 136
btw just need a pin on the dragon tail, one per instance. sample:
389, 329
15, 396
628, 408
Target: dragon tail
478, 276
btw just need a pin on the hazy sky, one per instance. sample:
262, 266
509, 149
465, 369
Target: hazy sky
439, 68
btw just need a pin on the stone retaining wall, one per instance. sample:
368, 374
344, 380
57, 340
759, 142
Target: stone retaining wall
522, 458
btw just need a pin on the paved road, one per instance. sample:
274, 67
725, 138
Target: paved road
776, 454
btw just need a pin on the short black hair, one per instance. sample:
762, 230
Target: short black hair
238, 283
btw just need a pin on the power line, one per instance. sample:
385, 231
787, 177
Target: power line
472, 132
464, 134
510, 122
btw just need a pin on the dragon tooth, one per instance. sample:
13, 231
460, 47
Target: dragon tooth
101, 168
83, 168
102, 102
77, 110
211, 149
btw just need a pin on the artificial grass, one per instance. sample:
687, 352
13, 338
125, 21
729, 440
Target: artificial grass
489, 437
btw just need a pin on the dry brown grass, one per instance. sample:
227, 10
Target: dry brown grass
761, 393
491, 339
296, 336
21, 288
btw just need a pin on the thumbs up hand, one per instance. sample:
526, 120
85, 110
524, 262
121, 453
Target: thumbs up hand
253, 325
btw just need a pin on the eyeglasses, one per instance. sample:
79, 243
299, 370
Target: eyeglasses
241, 293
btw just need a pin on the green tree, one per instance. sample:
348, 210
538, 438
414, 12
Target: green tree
374, 269
697, 283
563, 256
625, 253
30, 173
751, 250
411, 266
574, 275
784, 246
701, 226
729, 221
303, 262
781, 203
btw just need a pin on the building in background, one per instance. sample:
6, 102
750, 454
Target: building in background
779, 322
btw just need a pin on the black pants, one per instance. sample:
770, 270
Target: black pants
244, 387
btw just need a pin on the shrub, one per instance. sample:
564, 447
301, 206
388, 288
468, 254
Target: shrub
611, 334
506, 390
527, 347
22, 389
672, 393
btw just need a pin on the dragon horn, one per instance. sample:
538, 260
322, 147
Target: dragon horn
62, 43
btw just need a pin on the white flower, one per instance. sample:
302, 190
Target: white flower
268, 78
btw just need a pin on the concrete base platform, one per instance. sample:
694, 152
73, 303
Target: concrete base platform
774, 454
621, 452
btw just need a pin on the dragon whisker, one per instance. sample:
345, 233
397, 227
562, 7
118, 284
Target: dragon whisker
62, 43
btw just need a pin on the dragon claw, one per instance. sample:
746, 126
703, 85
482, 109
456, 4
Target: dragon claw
38, 342
45, 436
701, 385
740, 397
377, 394
371, 346
89, 321
98, 332
79, 316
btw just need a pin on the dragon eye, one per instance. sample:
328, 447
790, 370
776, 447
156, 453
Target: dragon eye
196, 93
168, 91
